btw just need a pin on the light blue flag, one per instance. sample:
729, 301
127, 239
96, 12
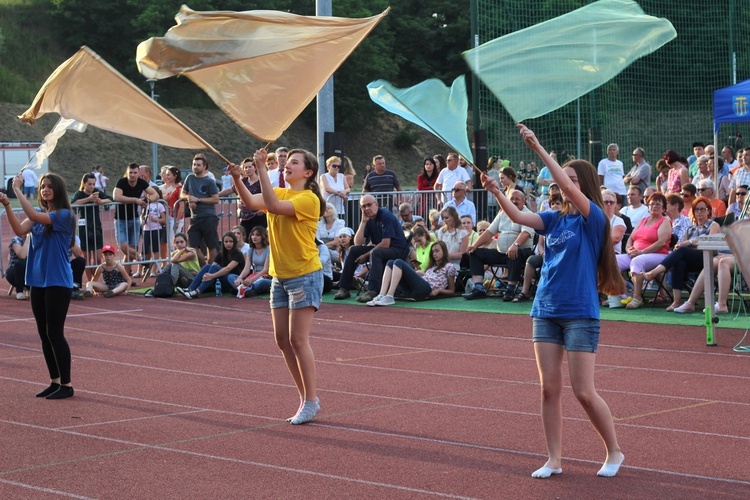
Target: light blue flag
541, 68
431, 105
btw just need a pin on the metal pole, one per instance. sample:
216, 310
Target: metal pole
324, 101
154, 150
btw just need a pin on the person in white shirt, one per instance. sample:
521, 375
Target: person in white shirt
101, 179
30, 180
452, 174
611, 171
635, 210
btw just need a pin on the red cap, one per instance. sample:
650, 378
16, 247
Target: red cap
108, 248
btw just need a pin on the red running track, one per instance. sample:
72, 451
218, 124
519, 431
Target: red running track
178, 399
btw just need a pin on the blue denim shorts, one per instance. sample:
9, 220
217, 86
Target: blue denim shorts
128, 231
575, 334
298, 293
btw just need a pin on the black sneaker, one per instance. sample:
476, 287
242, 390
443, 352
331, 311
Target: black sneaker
476, 293
342, 294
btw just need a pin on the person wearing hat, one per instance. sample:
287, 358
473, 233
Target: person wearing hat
110, 278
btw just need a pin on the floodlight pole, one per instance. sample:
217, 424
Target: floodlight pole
154, 150
324, 101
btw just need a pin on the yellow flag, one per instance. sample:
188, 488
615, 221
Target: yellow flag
87, 89
260, 67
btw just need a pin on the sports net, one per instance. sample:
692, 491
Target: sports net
662, 101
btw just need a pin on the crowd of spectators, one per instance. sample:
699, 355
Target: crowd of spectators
656, 217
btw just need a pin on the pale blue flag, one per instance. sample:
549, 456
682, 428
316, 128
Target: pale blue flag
431, 105
543, 67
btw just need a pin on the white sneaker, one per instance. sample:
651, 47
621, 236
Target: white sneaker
387, 301
21, 296
376, 301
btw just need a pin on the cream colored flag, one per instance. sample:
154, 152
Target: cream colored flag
87, 89
260, 67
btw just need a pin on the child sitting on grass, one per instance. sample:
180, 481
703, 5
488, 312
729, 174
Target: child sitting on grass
110, 278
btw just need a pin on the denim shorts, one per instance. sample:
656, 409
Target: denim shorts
128, 231
298, 293
574, 334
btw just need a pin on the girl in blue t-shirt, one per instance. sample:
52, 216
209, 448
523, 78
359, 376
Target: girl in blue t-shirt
48, 272
578, 256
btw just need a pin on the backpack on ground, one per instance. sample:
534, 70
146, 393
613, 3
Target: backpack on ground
163, 286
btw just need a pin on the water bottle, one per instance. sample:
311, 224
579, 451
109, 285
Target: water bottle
218, 287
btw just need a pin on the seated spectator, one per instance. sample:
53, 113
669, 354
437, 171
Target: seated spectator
646, 247
616, 233
406, 214
686, 258
183, 263
325, 261
648, 192
110, 278
381, 229
77, 260
346, 240
329, 226
689, 193
534, 262
468, 225
455, 237
423, 241
399, 275
680, 223
514, 245
707, 189
663, 177
616, 223
229, 258
435, 221
254, 279
15, 274
737, 206
242, 244
635, 210
462, 205
553, 189
482, 226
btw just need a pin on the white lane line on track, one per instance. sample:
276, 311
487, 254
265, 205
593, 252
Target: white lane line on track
144, 446
43, 490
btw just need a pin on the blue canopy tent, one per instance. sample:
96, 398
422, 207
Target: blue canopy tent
731, 105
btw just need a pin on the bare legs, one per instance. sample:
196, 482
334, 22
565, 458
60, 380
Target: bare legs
581, 365
292, 332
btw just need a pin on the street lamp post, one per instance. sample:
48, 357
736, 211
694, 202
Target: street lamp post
154, 150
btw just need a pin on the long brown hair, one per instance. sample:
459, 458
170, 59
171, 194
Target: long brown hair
311, 163
59, 200
608, 275
446, 256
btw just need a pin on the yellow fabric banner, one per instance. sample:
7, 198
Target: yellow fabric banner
260, 67
87, 89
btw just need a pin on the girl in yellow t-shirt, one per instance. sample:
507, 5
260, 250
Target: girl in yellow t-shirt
297, 285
